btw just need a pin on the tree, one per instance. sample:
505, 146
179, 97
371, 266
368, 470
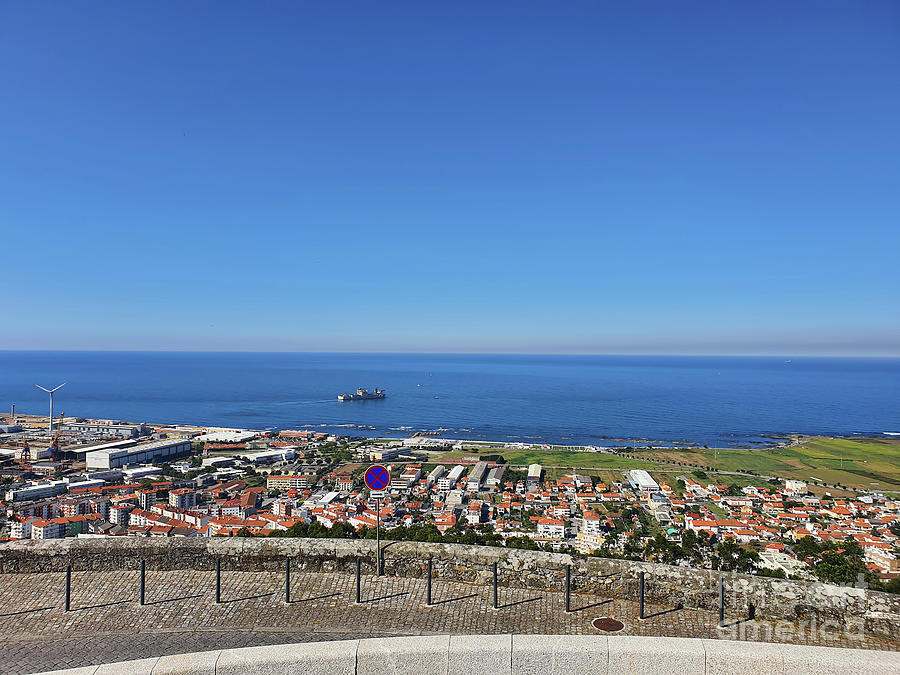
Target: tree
892, 586
243, 532
842, 566
690, 547
807, 547
730, 556
632, 548
660, 549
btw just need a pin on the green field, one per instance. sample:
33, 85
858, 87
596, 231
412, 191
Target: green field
551, 459
864, 463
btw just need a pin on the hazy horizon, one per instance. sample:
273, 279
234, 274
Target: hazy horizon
789, 355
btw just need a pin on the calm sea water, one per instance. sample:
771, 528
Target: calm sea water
560, 399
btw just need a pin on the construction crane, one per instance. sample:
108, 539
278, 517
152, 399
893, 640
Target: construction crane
54, 444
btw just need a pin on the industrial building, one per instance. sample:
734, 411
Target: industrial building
534, 474
139, 472
476, 477
37, 490
435, 474
116, 455
107, 428
276, 455
227, 436
495, 476
642, 482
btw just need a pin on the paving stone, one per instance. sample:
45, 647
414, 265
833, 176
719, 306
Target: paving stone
652, 655
106, 624
424, 654
318, 658
194, 663
480, 654
724, 657
138, 667
831, 661
559, 654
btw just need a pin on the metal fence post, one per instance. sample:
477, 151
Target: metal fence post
218, 580
143, 581
428, 585
568, 588
721, 601
287, 580
496, 599
358, 580
68, 587
641, 594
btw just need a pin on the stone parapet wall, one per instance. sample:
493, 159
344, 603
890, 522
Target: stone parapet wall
514, 655
847, 609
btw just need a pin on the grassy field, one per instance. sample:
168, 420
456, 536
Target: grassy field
551, 459
867, 463
864, 463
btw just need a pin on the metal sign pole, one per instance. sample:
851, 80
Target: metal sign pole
377, 479
377, 537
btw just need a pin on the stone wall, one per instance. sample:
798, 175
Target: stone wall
851, 610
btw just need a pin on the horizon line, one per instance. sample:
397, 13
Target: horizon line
460, 353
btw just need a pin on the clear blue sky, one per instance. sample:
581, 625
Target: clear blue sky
710, 177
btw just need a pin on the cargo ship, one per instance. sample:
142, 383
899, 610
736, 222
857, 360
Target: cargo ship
361, 395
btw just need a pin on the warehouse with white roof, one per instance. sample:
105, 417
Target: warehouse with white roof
642, 482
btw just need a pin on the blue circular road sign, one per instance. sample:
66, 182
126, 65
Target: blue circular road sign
377, 477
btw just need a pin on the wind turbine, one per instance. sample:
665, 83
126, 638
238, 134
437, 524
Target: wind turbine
50, 391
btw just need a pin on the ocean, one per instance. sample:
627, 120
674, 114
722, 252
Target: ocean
577, 400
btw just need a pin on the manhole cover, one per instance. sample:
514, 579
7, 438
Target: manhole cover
607, 624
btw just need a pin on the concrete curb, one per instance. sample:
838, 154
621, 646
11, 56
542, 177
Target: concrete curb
509, 654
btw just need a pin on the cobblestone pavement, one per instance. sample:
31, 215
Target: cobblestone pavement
107, 624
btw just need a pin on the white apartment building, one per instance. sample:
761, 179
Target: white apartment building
551, 528
449, 481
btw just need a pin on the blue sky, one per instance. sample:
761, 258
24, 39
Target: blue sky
525, 177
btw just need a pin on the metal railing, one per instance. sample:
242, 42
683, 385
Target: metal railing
495, 574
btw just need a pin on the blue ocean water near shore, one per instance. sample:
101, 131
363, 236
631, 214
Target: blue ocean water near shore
560, 399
